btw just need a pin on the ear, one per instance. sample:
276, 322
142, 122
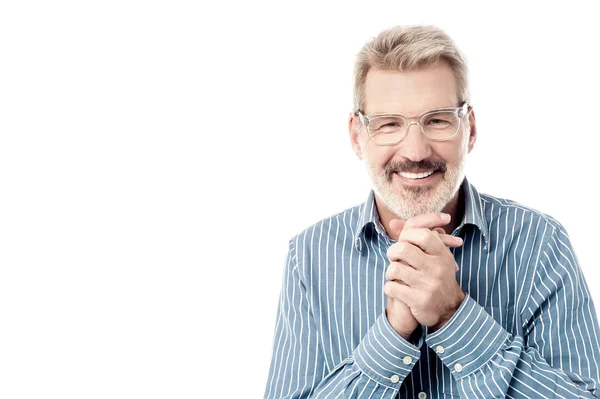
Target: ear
353, 128
472, 129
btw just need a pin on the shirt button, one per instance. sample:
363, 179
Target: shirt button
458, 367
422, 395
440, 349
394, 379
407, 360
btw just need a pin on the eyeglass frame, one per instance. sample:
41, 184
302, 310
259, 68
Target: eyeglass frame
465, 109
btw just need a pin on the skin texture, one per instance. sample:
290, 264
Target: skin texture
400, 315
411, 93
421, 286
422, 275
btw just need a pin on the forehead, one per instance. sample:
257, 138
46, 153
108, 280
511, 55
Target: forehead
410, 92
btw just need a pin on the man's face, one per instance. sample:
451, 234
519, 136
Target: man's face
416, 175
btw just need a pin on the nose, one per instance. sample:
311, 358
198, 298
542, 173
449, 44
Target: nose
415, 146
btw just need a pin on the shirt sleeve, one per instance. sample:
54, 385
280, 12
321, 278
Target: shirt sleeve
556, 356
376, 368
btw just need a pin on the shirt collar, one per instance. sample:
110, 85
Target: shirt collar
474, 211
368, 217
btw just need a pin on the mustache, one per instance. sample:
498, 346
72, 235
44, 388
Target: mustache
410, 166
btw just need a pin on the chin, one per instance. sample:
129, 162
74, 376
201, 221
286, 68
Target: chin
406, 208
407, 202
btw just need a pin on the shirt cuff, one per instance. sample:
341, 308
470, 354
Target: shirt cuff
468, 340
384, 356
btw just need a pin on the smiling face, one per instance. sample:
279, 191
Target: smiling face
415, 176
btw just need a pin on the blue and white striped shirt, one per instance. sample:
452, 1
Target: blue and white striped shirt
526, 329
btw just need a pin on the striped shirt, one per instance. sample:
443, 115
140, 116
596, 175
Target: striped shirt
526, 329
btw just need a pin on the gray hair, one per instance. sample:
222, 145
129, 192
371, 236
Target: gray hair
404, 48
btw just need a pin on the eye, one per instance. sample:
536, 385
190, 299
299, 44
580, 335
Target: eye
440, 120
437, 121
387, 124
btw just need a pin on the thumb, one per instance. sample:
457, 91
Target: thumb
396, 226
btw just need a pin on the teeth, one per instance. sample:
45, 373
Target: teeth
415, 175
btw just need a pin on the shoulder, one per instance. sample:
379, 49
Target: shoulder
512, 213
314, 248
343, 222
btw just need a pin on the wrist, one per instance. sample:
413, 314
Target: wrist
402, 330
447, 315
404, 335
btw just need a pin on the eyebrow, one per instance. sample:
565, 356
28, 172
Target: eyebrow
406, 116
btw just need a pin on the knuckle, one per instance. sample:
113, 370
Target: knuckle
403, 249
437, 273
400, 271
425, 235
390, 252
391, 271
388, 288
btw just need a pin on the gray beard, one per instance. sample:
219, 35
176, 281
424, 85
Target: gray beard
412, 201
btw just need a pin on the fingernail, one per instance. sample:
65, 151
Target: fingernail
445, 217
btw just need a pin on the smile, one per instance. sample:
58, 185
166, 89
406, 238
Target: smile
416, 175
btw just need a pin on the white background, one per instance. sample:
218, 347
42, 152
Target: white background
155, 158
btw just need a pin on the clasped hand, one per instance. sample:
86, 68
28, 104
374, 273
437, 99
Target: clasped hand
421, 277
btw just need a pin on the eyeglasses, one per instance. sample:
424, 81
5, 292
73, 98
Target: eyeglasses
438, 124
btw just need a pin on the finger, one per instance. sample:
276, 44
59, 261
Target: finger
428, 241
396, 226
400, 292
402, 273
404, 251
451, 241
391, 270
429, 220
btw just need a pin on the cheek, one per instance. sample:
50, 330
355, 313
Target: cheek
450, 152
378, 156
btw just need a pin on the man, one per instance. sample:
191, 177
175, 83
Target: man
429, 289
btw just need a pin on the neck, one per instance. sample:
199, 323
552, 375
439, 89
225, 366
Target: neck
455, 208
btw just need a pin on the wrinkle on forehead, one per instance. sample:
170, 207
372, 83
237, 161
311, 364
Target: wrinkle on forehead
410, 93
